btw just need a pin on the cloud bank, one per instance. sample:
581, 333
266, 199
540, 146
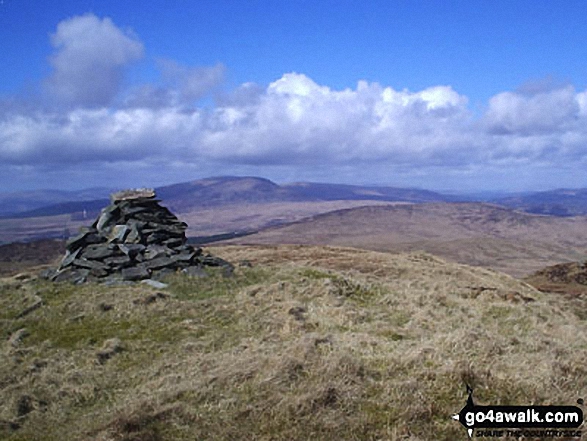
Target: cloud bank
292, 122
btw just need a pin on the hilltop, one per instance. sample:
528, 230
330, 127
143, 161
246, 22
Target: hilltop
301, 343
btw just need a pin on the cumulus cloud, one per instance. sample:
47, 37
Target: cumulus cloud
301, 121
296, 122
192, 83
534, 113
89, 60
181, 86
90, 135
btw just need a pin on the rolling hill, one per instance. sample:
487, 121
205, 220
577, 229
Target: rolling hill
473, 233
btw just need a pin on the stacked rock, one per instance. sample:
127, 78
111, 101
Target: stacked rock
134, 238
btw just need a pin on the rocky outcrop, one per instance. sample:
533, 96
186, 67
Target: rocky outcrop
134, 238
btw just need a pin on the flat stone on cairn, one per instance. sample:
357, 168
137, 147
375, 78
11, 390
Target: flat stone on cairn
133, 238
137, 193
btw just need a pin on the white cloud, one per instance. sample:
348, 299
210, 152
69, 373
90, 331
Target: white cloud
529, 114
582, 102
90, 55
307, 122
192, 83
293, 123
182, 86
90, 135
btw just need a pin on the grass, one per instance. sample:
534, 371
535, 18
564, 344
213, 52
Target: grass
309, 343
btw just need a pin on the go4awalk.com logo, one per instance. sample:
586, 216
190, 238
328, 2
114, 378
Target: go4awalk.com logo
518, 421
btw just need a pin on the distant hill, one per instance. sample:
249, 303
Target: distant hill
330, 192
562, 202
221, 191
28, 201
472, 233
78, 209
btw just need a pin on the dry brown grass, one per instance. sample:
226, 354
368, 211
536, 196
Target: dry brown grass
310, 343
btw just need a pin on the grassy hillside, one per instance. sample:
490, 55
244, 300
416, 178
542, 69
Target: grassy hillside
302, 343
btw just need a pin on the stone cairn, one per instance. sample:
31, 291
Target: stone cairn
134, 238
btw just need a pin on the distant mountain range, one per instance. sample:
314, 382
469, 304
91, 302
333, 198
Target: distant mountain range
211, 192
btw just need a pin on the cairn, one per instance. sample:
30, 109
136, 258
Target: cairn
134, 238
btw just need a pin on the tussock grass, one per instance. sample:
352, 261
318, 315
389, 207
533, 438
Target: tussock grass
310, 343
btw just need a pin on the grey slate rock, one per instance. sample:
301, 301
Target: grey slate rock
154, 251
76, 241
162, 273
131, 250
90, 264
135, 273
118, 262
75, 276
118, 233
173, 242
98, 252
159, 262
69, 257
48, 274
134, 236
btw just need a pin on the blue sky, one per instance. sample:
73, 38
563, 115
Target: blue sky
461, 95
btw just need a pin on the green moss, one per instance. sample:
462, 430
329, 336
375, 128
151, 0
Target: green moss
314, 274
498, 312
215, 284
93, 330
